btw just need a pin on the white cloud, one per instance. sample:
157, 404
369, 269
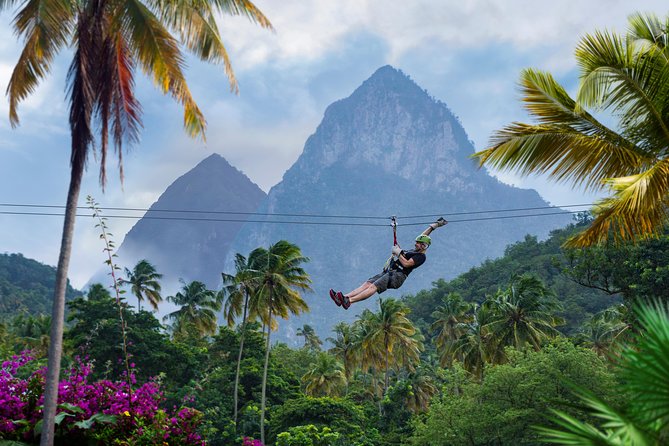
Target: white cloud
309, 30
286, 81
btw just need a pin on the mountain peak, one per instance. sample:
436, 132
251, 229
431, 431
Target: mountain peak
391, 79
390, 123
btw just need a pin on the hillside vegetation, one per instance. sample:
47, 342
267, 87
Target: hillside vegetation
26, 287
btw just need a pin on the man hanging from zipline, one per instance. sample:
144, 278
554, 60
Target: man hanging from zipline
395, 273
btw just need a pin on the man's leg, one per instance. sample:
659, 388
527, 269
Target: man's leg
364, 294
359, 290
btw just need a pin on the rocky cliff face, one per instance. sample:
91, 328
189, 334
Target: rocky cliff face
181, 247
388, 149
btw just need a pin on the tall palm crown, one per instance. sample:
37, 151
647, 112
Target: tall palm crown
475, 347
522, 314
110, 38
343, 347
391, 330
450, 324
279, 277
144, 283
197, 308
325, 377
311, 339
237, 291
628, 77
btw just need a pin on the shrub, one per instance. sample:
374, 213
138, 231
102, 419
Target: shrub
109, 412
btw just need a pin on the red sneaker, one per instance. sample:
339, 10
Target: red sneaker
335, 297
345, 302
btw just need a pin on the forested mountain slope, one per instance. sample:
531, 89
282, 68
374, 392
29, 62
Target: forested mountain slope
26, 286
545, 259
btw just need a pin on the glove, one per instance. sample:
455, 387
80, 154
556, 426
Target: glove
439, 223
397, 250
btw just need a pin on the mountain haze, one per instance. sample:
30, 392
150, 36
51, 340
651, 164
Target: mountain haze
388, 149
181, 247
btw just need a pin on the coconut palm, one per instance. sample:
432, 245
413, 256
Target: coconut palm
391, 330
422, 387
197, 309
474, 348
311, 339
237, 291
370, 355
110, 40
325, 377
605, 329
644, 367
522, 314
626, 76
144, 283
450, 324
343, 348
32, 332
279, 278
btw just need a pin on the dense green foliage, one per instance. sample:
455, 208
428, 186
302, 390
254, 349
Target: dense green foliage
26, 286
476, 360
546, 260
512, 397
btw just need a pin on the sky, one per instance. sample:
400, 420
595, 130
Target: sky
466, 53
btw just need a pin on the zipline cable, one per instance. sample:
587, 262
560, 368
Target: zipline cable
302, 215
502, 217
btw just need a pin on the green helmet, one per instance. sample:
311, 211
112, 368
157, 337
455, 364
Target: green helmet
424, 239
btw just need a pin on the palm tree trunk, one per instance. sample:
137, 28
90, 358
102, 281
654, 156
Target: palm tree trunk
58, 310
386, 377
264, 375
239, 358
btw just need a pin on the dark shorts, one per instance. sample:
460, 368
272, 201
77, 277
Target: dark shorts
390, 279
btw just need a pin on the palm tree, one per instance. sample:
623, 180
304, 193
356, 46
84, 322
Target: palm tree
450, 324
325, 377
32, 332
422, 387
343, 348
109, 40
197, 309
628, 76
522, 314
391, 329
237, 290
474, 348
279, 276
605, 329
311, 339
144, 282
644, 366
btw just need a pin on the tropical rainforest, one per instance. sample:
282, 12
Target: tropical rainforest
491, 357
562, 341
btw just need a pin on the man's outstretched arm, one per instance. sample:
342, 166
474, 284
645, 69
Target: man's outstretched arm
437, 224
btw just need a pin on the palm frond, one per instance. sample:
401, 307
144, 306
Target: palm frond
159, 56
567, 145
637, 210
629, 83
648, 29
45, 26
195, 22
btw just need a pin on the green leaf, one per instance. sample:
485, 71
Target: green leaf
97, 418
71, 407
60, 417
